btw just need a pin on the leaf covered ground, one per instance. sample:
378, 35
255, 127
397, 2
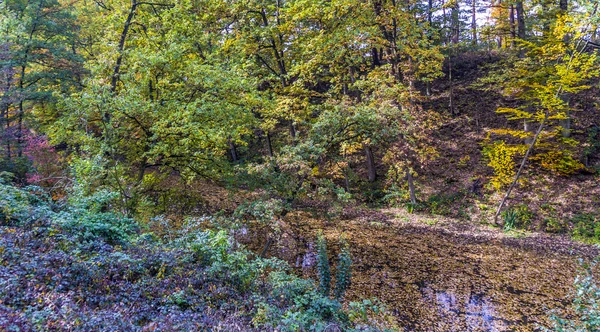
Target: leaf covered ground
438, 274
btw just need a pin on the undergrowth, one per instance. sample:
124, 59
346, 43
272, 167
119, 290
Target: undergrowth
77, 266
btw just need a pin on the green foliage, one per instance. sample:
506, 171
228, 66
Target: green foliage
510, 219
18, 167
586, 304
344, 271
173, 282
586, 226
548, 69
263, 211
518, 216
592, 144
554, 225
323, 268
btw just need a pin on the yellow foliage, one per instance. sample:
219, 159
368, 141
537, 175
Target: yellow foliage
501, 159
559, 162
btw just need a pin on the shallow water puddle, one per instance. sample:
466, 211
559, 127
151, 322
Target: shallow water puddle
472, 313
433, 279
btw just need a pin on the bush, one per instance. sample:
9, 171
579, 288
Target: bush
344, 272
323, 269
82, 268
586, 304
586, 226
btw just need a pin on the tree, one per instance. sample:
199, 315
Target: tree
37, 60
551, 67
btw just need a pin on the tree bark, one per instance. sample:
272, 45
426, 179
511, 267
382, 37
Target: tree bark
455, 23
121, 48
292, 130
474, 22
6, 118
451, 93
520, 19
372, 172
430, 13
21, 111
269, 146
565, 124
563, 5
234, 156
513, 29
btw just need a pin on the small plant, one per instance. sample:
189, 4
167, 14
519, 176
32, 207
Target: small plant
510, 219
586, 304
410, 207
554, 225
344, 272
586, 226
323, 268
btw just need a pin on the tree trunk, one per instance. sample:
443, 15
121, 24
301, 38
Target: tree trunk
372, 172
347, 177
527, 127
521, 167
565, 125
20, 115
563, 5
121, 47
5, 117
430, 14
473, 22
451, 94
20, 131
269, 146
520, 19
292, 130
234, 156
455, 24
513, 29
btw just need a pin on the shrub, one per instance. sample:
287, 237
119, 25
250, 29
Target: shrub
323, 268
586, 226
344, 272
116, 280
586, 304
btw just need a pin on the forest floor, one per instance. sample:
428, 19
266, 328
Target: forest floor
441, 274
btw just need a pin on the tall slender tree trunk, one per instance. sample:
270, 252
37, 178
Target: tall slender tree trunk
371, 170
120, 49
451, 94
473, 22
269, 146
5, 117
20, 115
455, 23
20, 131
520, 19
292, 130
513, 29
